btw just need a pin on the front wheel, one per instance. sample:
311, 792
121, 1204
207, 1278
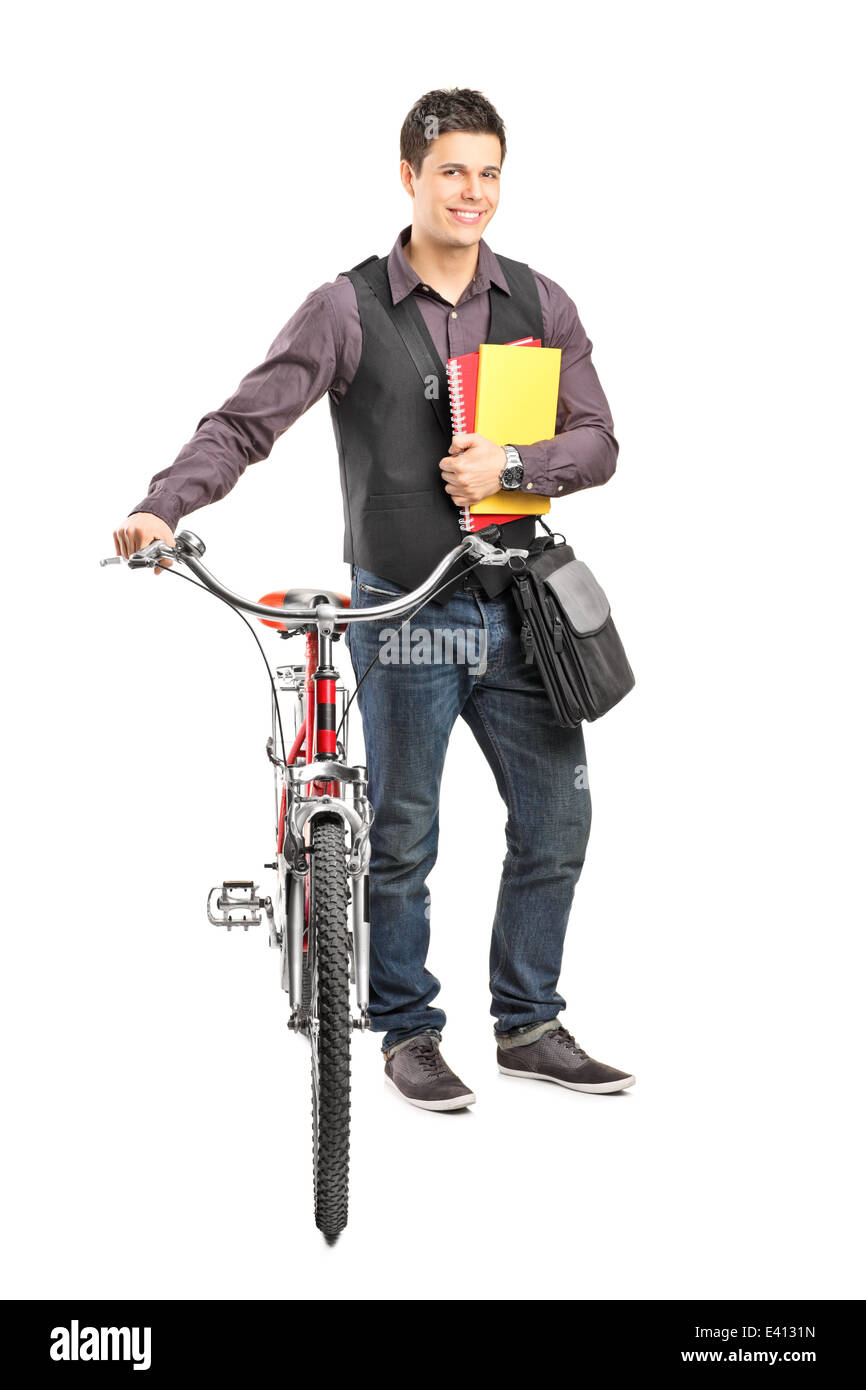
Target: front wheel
330, 1026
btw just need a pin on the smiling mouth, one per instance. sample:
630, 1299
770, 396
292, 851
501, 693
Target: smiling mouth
467, 215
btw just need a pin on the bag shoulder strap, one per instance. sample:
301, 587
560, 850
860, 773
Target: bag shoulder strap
409, 323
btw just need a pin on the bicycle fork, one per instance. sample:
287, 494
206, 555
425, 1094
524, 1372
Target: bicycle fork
294, 869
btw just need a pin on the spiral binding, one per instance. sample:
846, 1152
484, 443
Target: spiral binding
458, 419
455, 392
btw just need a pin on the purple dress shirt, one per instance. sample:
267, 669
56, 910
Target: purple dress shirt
319, 349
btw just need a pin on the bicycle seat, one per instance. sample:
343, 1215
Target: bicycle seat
303, 598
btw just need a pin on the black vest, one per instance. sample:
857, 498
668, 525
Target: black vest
393, 426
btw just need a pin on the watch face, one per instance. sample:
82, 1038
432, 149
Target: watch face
511, 477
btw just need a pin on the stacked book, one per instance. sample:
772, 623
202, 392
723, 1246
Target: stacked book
511, 397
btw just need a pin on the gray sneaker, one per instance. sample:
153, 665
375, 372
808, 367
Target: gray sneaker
555, 1056
420, 1073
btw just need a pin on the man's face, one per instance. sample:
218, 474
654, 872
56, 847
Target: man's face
457, 190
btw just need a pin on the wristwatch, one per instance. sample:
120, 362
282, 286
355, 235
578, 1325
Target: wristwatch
512, 474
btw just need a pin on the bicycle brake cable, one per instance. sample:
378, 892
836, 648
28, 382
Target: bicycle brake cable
195, 584
373, 661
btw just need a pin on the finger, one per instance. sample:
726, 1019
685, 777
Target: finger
116, 543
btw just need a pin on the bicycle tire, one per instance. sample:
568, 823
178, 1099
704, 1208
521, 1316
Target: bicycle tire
330, 1027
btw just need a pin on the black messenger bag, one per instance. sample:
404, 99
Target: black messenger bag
567, 630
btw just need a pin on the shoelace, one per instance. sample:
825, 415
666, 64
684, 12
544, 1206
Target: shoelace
564, 1038
427, 1054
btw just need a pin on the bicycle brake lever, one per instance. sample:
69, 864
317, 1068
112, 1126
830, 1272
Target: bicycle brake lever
151, 555
483, 550
186, 543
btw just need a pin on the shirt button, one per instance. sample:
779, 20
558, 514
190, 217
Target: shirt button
559, 489
528, 486
426, 287
453, 313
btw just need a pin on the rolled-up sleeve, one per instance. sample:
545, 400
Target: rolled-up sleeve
583, 452
308, 357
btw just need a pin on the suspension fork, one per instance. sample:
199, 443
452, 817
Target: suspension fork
358, 818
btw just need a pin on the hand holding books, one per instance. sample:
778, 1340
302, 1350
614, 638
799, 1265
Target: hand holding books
471, 469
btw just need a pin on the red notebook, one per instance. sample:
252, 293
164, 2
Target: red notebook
462, 390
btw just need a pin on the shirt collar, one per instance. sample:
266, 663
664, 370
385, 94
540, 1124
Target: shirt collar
403, 278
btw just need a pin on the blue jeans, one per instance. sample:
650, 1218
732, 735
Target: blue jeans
464, 658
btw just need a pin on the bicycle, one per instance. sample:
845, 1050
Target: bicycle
320, 956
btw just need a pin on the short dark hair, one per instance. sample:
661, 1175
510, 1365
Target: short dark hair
458, 108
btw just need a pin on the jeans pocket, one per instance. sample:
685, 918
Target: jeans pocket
370, 583
371, 589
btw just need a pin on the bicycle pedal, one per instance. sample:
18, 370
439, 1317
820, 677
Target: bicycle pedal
237, 904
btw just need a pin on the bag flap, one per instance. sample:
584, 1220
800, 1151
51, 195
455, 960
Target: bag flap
580, 596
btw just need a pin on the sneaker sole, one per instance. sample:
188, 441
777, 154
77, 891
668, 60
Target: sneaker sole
455, 1103
601, 1088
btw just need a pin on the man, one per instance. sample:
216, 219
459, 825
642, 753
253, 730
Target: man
377, 339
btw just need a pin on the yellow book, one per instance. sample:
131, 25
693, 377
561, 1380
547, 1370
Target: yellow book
518, 393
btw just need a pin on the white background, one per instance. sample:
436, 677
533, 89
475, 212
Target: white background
179, 178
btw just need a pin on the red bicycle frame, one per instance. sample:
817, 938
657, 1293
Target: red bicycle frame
319, 729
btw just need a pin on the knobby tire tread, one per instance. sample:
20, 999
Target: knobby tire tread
330, 906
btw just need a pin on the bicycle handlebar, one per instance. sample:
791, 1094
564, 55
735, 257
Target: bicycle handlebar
188, 549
